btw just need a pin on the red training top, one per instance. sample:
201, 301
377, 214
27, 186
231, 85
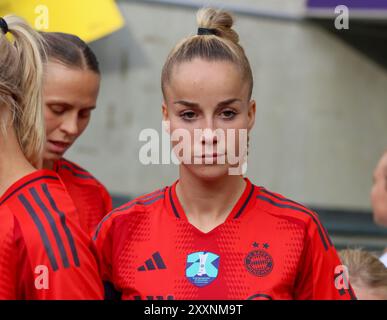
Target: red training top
44, 254
90, 197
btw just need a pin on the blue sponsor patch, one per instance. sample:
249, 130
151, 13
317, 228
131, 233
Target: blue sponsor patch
202, 268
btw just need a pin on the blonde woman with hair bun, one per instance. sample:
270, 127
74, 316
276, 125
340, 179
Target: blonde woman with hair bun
213, 234
43, 252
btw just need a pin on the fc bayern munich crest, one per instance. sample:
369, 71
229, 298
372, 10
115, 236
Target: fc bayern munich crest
259, 263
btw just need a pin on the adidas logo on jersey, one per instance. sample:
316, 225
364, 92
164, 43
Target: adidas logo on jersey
154, 263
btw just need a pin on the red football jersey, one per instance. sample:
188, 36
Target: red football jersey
44, 254
269, 247
90, 197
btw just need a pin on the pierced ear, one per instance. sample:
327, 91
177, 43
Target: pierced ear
251, 114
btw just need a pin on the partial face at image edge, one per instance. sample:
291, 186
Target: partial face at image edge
379, 192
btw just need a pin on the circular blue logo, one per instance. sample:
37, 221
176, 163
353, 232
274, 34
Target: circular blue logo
202, 268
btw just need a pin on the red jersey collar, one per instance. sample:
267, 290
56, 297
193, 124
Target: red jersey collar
175, 208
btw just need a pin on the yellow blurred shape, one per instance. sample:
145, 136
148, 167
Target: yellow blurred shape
88, 19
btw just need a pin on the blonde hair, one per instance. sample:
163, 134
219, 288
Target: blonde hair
221, 45
365, 269
21, 72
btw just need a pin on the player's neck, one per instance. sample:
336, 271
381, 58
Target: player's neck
13, 164
207, 204
48, 164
